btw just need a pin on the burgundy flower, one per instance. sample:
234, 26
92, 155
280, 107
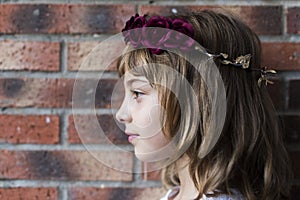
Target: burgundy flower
177, 39
154, 38
134, 36
182, 26
135, 22
158, 21
144, 33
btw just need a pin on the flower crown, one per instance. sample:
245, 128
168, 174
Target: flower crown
154, 40
140, 36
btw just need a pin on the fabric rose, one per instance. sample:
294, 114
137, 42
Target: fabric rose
155, 38
135, 22
177, 33
178, 40
182, 26
182, 36
134, 36
158, 21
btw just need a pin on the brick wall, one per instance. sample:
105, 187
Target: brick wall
41, 48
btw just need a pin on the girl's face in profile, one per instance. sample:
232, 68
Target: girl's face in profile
140, 113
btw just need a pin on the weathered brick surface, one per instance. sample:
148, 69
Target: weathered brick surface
77, 51
72, 26
264, 20
80, 59
63, 18
276, 93
28, 92
292, 128
28, 193
29, 55
30, 129
281, 55
293, 20
88, 127
116, 193
294, 92
65, 165
51, 93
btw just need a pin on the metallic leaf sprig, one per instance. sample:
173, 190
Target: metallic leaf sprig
243, 62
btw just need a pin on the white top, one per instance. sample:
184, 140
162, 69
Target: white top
236, 196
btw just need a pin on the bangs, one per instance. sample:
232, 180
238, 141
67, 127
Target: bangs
135, 61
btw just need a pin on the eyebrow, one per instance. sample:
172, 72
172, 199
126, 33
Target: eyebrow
129, 82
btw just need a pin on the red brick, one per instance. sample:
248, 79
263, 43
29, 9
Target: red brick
292, 128
44, 92
78, 51
29, 55
264, 20
28, 193
35, 129
293, 20
295, 158
63, 18
281, 56
90, 133
66, 165
116, 193
276, 93
294, 92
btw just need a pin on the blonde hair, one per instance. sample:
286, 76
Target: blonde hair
250, 155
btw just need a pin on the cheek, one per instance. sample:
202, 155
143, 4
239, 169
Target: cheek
141, 115
148, 121
158, 140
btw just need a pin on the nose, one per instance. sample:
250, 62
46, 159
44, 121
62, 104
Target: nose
123, 115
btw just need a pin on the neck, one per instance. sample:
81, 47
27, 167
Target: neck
187, 187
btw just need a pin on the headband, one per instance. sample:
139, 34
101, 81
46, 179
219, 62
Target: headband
155, 42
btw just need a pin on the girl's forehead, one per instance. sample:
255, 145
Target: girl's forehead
129, 78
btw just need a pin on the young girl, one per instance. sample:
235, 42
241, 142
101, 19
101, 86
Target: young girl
169, 104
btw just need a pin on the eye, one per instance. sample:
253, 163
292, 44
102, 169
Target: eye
136, 94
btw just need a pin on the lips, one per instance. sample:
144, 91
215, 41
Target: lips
131, 136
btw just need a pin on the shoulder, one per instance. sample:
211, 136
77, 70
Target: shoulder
235, 196
166, 197
223, 197
171, 193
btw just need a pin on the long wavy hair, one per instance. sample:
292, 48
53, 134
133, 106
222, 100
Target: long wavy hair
250, 155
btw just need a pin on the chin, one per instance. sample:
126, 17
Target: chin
151, 157
146, 157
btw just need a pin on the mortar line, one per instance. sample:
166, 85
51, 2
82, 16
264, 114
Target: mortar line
56, 111
64, 129
71, 183
72, 75
99, 38
162, 2
284, 20
36, 37
63, 58
72, 147
62, 193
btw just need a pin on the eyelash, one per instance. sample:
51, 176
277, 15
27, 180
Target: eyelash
136, 94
